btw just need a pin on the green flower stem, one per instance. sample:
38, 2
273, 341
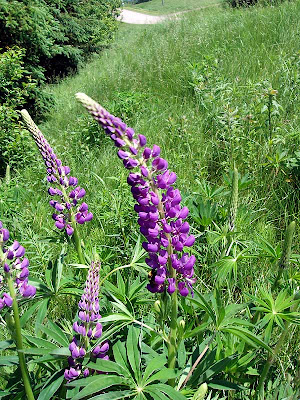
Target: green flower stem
77, 242
286, 253
18, 340
269, 362
75, 237
172, 344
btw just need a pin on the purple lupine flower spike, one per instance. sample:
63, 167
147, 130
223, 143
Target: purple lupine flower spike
15, 266
161, 216
63, 186
87, 328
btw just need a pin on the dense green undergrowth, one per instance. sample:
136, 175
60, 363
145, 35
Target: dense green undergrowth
215, 89
40, 42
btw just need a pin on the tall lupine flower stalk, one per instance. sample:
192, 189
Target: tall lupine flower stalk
14, 274
88, 328
161, 217
67, 202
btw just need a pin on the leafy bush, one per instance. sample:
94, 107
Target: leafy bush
17, 88
57, 35
46, 39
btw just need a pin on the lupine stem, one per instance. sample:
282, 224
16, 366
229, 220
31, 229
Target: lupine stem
286, 253
77, 243
172, 345
269, 362
18, 340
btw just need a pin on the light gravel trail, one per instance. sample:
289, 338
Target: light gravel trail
134, 17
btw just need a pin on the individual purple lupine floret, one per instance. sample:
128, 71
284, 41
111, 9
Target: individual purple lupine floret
68, 209
161, 216
15, 267
87, 328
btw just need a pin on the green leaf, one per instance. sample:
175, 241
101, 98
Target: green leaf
225, 385
114, 395
103, 382
55, 333
117, 317
5, 344
118, 304
181, 355
132, 351
9, 360
60, 352
37, 352
156, 363
168, 390
40, 342
40, 286
155, 394
52, 386
203, 304
135, 288
71, 290
41, 315
108, 366
196, 330
216, 368
25, 317
247, 336
163, 375
121, 284
110, 332
119, 352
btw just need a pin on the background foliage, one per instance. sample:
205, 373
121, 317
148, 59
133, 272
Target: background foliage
39, 41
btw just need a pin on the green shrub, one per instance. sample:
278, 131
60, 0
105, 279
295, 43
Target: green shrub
17, 88
58, 34
44, 39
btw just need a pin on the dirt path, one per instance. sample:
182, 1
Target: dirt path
133, 17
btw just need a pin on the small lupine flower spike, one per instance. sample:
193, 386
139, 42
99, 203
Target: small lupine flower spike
161, 217
14, 266
64, 188
87, 328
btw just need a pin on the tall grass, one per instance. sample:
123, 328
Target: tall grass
193, 83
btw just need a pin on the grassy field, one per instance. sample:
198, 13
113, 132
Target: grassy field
216, 89
160, 7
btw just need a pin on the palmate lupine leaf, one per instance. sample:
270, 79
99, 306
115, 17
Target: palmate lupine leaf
109, 366
155, 364
122, 394
128, 376
99, 384
133, 353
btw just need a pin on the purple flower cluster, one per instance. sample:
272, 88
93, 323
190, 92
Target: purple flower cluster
87, 328
161, 216
67, 192
15, 266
